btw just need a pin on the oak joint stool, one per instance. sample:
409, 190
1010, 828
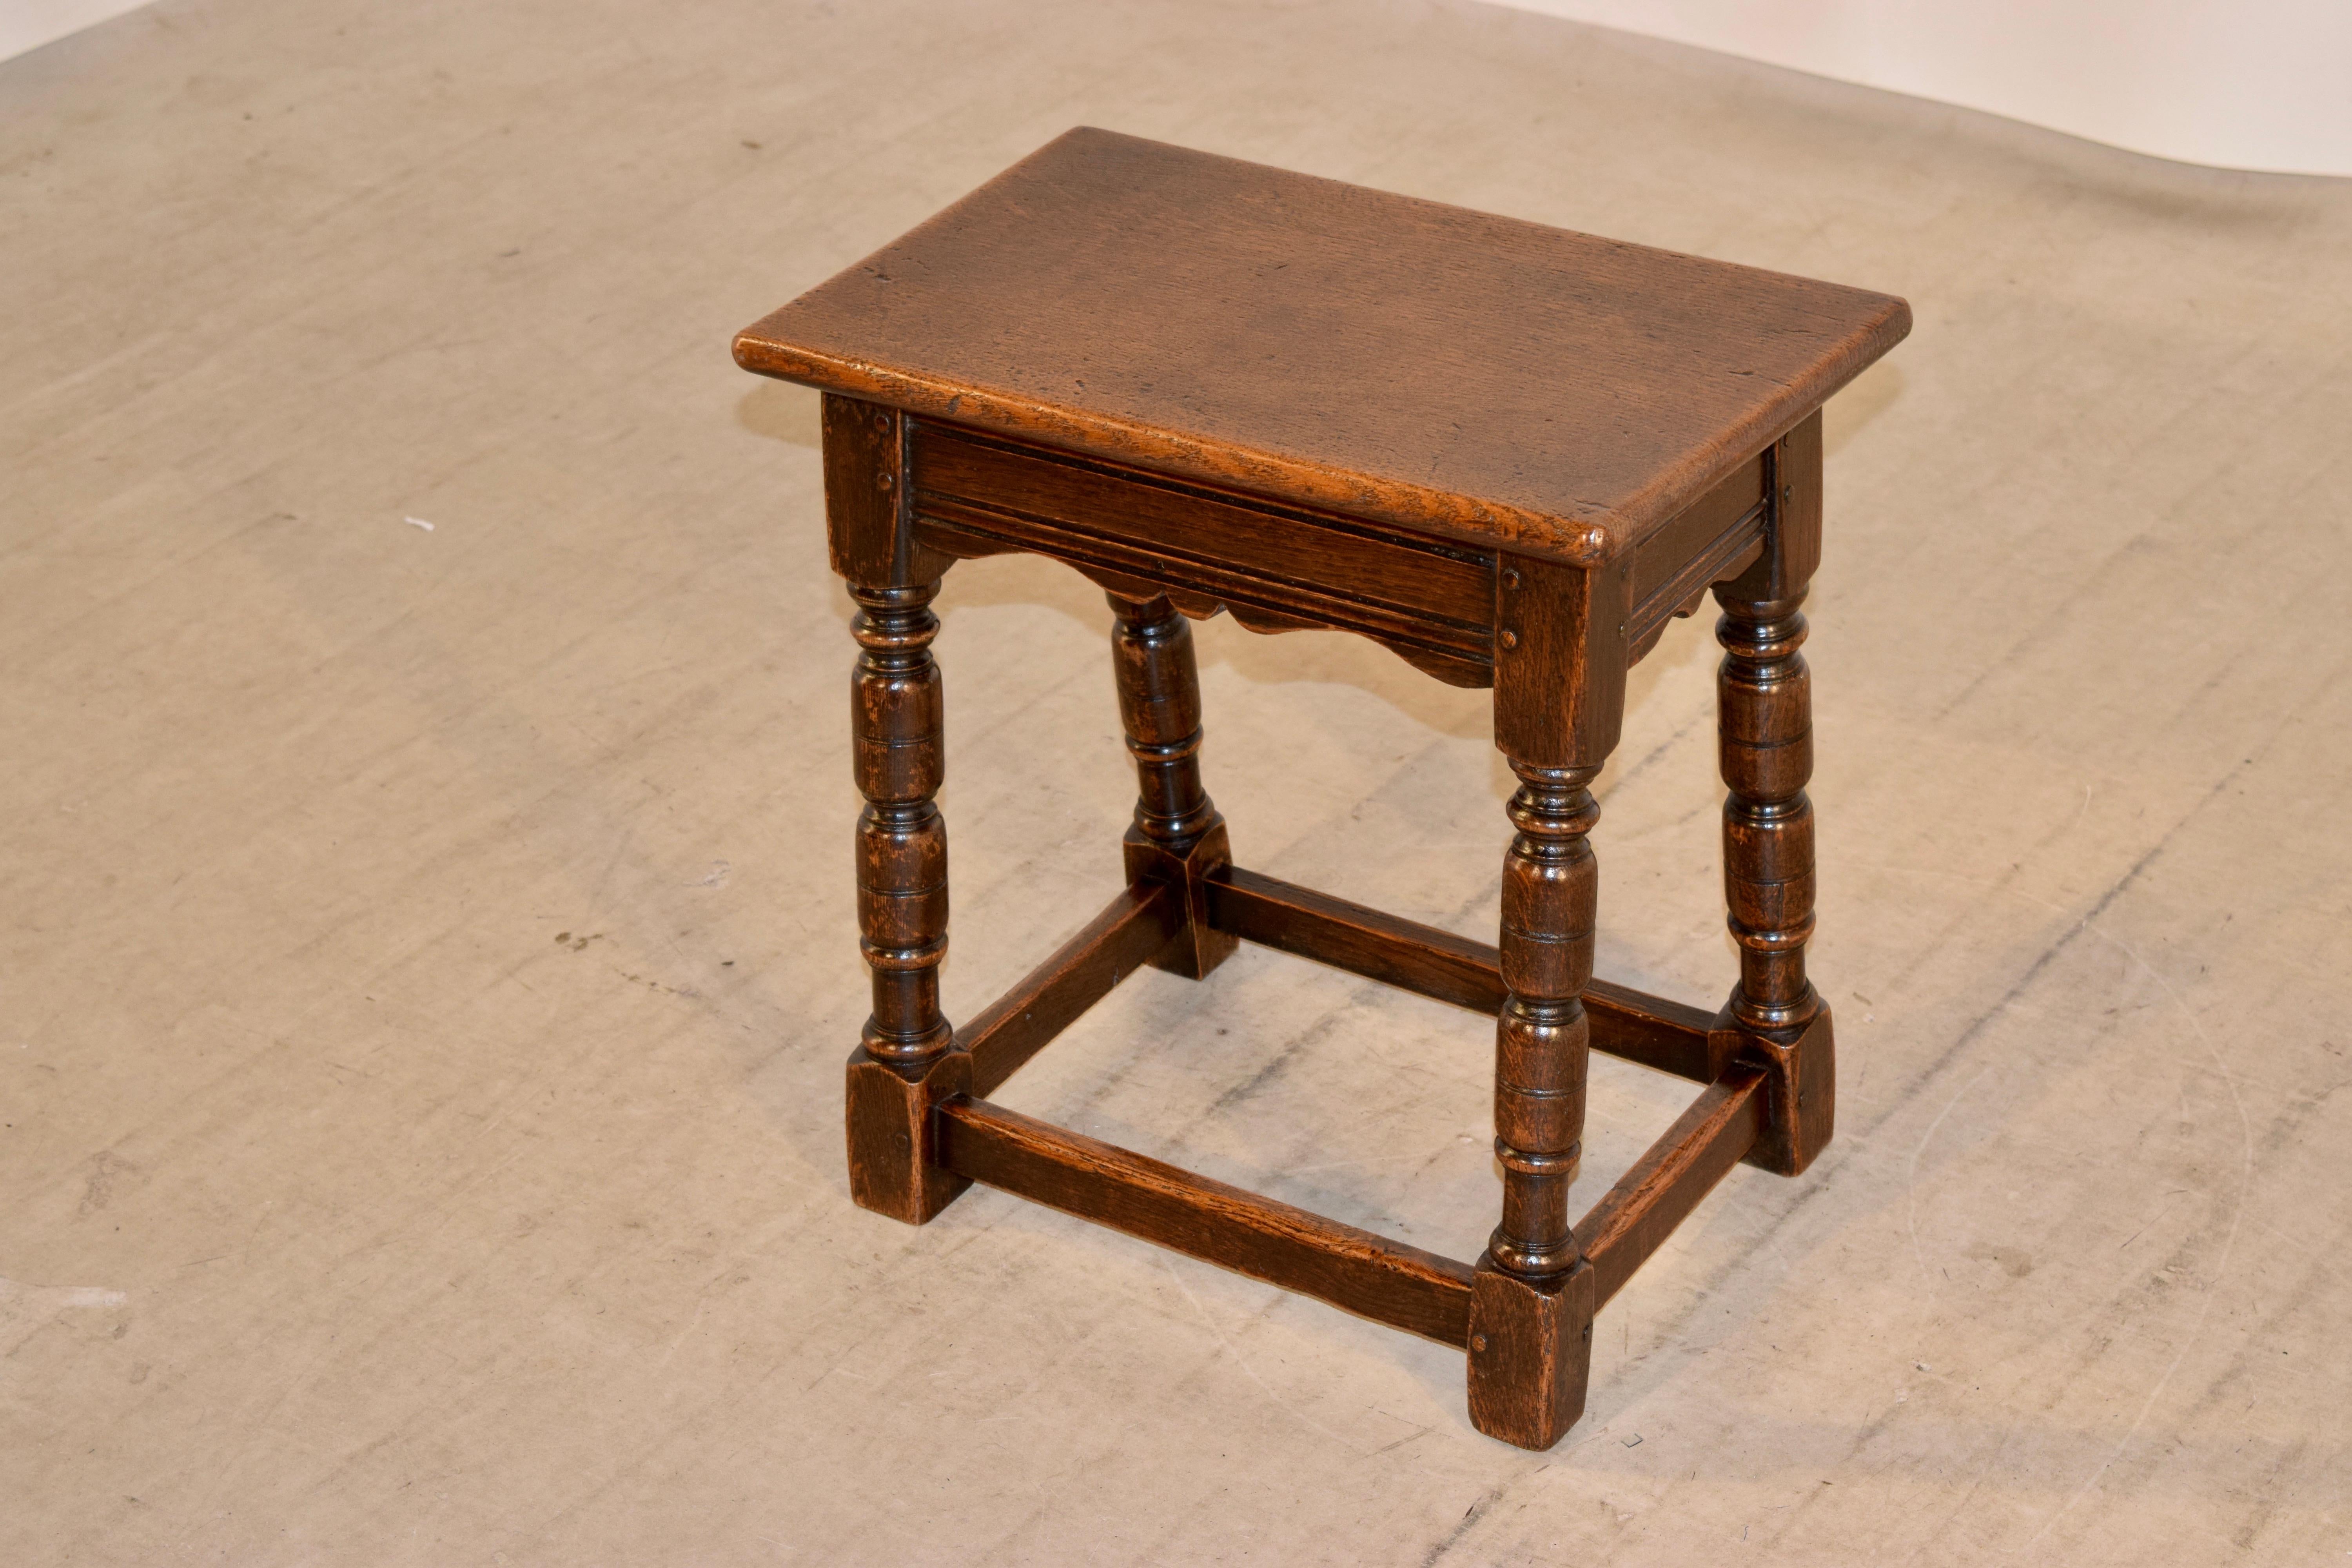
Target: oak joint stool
1509, 453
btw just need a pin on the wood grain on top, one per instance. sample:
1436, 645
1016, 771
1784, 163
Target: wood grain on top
1319, 343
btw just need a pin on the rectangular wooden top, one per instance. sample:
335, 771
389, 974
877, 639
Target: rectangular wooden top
1398, 360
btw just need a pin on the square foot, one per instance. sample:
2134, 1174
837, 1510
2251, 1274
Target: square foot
893, 1153
1799, 1092
1530, 1353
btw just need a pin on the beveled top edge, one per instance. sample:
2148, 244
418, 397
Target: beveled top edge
1093, 433
1582, 533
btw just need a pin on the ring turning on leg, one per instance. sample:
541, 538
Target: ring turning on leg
902, 842
1178, 837
1542, 1036
1766, 734
1532, 1298
903, 1064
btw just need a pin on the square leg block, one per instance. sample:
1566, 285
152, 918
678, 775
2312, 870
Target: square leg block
1800, 1092
1530, 1353
894, 1164
1199, 947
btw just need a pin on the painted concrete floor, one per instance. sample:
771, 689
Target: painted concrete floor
426, 954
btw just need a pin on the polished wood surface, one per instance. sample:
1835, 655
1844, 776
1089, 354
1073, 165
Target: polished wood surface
1141, 535
1550, 892
903, 1064
1393, 359
1666, 1183
1380, 946
1510, 454
1441, 604
897, 714
1177, 838
1367, 1274
1765, 743
1550, 889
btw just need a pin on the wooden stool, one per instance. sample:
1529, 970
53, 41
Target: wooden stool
1510, 454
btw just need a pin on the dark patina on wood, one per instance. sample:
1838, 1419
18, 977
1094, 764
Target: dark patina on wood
1369, 1275
1511, 455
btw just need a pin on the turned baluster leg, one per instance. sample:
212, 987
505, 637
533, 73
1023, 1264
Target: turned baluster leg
1178, 837
1765, 729
1543, 1038
903, 1064
902, 841
1767, 748
1559, 685
1527, 1382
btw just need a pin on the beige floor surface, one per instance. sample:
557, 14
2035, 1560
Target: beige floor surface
426, 956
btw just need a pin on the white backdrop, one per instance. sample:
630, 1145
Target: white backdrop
2247, 84
29, 24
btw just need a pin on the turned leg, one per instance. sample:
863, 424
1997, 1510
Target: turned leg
903, 1064
1531, 1308
1560, 701
1767, 748
1178, 837
1765, 730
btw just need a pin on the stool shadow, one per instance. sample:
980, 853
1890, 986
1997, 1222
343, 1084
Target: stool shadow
781, 412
